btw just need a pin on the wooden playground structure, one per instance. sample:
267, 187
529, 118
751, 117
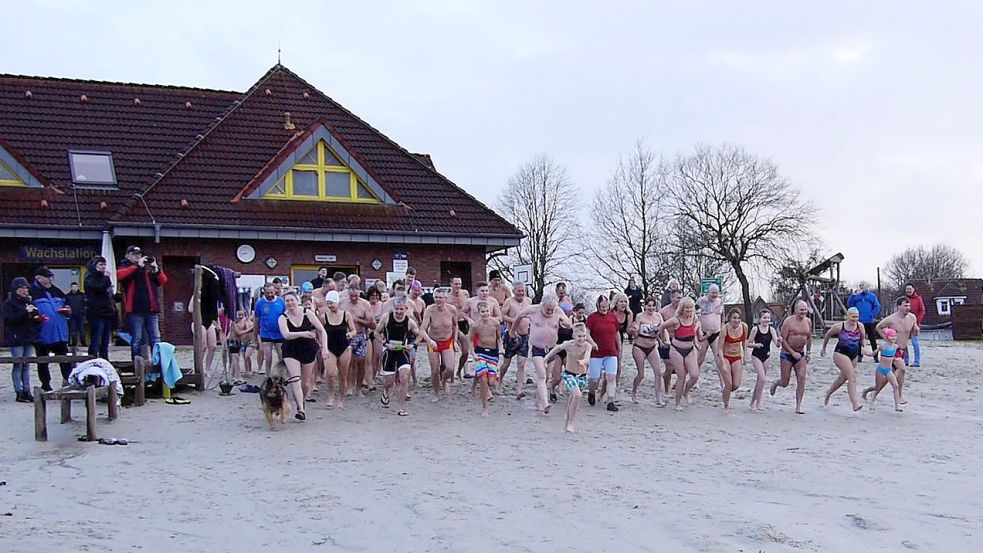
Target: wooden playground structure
821, 293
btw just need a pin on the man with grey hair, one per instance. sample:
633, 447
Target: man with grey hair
711, 307
544, 322
671, 286
870, 310
795, 352
516, 338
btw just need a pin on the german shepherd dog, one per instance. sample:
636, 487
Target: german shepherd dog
273, 395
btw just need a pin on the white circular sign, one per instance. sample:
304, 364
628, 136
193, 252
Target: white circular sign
246, 253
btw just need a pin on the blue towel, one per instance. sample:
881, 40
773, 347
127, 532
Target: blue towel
163, 355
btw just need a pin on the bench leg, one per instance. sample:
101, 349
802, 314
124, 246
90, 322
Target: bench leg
40, 416
90, 413
113, 405
140, 393
66, 410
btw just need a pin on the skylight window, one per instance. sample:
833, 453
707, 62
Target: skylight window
93, 169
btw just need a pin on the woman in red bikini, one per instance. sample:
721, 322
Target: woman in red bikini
734, 350
684, 328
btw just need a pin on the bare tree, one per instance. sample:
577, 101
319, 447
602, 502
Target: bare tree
627, 237
690, 266
739, 208
920, 263
541, 202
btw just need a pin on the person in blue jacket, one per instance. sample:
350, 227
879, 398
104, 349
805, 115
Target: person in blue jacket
53, 333
870, 310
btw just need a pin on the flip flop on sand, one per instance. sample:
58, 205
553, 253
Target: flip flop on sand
403, 413
385, 398
175, 400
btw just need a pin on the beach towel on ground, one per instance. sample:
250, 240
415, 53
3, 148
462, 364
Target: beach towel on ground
163, 355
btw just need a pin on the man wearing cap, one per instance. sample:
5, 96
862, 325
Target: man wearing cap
53, 334
496, 289
140, 278
322, 275
20, 333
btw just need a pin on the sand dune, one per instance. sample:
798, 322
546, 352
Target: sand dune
211, 477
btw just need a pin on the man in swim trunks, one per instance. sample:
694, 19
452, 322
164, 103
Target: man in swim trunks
544, 319
361, 313
711, 307
319, 293
440, 323
905, 324
516, 339
497, 289
458, 297
796, 349
668, 311
487, 338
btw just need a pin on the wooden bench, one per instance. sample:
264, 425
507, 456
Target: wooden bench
66, 396
73, 359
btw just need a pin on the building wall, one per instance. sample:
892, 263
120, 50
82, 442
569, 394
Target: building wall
179, 255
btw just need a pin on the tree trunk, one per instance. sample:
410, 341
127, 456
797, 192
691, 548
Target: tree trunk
745, 293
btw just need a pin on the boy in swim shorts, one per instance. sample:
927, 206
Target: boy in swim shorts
574, 374
488, 342
885, 366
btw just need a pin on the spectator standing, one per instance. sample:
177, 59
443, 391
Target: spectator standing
918, 310
52, 336
870, 309
100, 307
20, 323
671, 286
76, 321
634, 294
141, 277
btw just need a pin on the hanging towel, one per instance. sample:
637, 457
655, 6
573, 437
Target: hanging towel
227, 278
163, 355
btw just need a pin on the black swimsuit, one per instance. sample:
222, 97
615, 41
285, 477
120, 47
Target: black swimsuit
395, 331
764, 339
337, 335
303, 350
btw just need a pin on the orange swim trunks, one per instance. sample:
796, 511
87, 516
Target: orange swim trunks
443, 345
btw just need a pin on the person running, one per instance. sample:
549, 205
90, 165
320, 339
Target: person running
242, 338
487, 337
471, 313
734, 353
905, 325
300, 330
684, 329
458, 297
375, 303
667, 312
440, 323
544, 320
340, 329
577, 362
796, 348
885, 368
634, 295
604, 330
846, 355
497, 289
760, 341
870, 309
516, 339
360, 312
267, 312
396, 329
619, 304
563, 299
918, 310
711, 307
672, 287
645, 341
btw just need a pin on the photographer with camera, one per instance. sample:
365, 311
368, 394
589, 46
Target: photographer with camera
140, 277
53, 334
20, 327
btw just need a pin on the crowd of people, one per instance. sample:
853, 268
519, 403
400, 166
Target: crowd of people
354, 339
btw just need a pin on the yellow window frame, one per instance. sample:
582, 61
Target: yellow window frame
321, 169
16, 181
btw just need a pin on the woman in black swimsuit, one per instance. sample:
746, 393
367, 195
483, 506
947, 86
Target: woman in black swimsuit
761, 338
299, 328
338, 355
645, 334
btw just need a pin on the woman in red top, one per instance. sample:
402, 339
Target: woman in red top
684, 329
735, 353
604, 327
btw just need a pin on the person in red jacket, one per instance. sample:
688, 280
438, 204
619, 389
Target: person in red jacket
140, 278
918, 310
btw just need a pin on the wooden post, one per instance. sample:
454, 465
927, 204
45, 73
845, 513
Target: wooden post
90, 413
40, 416
112, 399
140, 370
66, 410
196, 317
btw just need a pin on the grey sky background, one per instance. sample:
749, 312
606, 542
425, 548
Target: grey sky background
873, 109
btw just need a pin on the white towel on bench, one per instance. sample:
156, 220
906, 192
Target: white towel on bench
97, 367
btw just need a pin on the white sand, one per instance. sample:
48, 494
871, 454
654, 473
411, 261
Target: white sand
211, 477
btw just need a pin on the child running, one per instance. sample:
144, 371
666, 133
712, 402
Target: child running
575, 371
885, 370
486, 336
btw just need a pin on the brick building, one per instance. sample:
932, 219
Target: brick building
274, 181
941, 295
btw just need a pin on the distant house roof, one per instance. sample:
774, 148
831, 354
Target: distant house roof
206, 146
969, 289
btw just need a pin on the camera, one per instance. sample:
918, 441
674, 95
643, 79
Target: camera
150, 257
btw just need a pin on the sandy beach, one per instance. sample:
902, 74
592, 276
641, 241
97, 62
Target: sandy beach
210, 476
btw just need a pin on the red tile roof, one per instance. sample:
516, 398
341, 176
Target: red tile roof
225, 139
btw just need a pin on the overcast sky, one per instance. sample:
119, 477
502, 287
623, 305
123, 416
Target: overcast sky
873, 110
